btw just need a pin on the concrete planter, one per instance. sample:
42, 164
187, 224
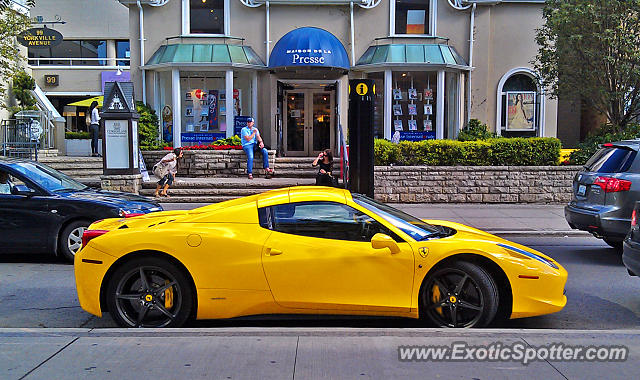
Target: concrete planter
207, 163
80, 147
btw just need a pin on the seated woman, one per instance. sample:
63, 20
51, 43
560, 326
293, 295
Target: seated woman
5, 184
325, 161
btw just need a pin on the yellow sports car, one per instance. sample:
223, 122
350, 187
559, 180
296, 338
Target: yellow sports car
308, 250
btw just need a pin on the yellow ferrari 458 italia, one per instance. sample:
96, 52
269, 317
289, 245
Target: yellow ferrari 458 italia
308, 250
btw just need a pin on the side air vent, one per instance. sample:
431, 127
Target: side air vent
122, 227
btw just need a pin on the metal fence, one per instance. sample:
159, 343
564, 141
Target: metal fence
20, 138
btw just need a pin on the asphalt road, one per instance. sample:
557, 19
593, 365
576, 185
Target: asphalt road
37, 291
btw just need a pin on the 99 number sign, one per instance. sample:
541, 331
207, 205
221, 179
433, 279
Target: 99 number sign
51, 80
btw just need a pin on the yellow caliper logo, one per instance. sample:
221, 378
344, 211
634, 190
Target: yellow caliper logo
148, 298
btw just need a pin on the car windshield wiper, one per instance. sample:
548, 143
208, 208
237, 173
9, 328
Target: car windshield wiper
66, 189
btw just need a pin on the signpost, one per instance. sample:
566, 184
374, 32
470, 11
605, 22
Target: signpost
361, 102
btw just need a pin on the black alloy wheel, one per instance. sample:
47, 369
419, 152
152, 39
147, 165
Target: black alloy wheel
149, 292
459, 295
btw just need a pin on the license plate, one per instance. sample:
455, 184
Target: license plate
582, 190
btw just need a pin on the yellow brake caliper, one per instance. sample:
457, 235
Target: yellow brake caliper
168, 296
436, 297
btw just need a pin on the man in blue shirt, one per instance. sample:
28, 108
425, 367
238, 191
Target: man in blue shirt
252, 142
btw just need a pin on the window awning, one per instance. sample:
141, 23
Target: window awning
310, 47
435, 55
223, 55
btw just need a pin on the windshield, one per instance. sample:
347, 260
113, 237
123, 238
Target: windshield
611, 160
410, 225
48, 178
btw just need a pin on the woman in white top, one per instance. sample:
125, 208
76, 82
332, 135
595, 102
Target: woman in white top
94, 127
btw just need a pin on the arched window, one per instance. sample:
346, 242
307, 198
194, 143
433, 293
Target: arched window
520, 105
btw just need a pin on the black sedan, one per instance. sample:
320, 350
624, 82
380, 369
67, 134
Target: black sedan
631, 244
43, 210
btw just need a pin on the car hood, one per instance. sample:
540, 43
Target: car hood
114, 198
467, 232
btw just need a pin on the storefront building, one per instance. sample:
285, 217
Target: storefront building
287, 63
94, 49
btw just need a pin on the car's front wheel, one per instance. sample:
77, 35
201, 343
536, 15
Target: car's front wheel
71, 239
149, 292
460, 294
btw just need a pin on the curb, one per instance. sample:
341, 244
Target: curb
545, 233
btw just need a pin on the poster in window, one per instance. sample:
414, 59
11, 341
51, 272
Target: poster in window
413, 94
212, 100
428, 109
204, 126
521, 111
413, 109
397, 110
415, 21
397, 94
413, 125
426, 123
188, 111
190, 127
397, 125
188, 96
428, 94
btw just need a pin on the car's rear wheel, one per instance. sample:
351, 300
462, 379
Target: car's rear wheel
71, 239
149, 292
460, 294
617, 244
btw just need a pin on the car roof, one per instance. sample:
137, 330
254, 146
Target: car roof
302, 194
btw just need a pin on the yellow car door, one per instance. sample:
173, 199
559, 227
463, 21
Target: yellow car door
319, 256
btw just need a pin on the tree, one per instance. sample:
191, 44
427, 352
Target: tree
590, 49
12, 23
23, 84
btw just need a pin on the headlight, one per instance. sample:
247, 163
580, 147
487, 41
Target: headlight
530, 255
128, 213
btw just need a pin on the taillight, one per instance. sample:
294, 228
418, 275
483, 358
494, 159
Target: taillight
132, 215
90, 234
633, 218
612, 185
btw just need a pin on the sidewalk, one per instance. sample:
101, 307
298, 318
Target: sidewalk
504, 219
295, 353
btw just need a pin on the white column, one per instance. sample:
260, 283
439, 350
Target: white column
254, 96
177, 110
157, 104
228, 84
111, 53
388, 85
440, 106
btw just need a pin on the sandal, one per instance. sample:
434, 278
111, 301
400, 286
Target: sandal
250, 176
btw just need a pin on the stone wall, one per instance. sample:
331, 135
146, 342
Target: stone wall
206, 163
474, 184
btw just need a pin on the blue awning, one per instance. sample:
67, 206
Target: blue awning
309, 46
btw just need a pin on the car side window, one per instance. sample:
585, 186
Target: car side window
326, 220
8, 182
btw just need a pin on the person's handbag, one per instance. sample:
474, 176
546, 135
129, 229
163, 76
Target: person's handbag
160, 169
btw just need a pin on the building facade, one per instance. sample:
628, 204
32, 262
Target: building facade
94, 49
287, 63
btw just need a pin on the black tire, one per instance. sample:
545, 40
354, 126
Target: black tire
460, 294
70, 241
616, 244
166, 300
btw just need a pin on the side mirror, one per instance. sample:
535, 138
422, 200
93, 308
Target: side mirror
380, 241
23, 190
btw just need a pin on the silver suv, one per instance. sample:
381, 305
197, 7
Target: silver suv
605, 192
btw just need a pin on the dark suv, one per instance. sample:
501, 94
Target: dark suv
605, 192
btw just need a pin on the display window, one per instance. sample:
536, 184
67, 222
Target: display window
413, 105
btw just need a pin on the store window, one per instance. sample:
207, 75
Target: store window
207, 16
71, 53
203, 97
520, 106
451, 106
123, 52
413, 105
412, 17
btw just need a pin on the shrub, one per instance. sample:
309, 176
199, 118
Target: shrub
77, 135
604, 134
148, 128
492, 152
475, 130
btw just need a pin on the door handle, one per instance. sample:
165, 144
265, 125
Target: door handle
273, 252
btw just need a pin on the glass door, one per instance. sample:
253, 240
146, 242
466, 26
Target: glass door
309, 122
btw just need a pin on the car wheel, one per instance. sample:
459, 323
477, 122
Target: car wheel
71, 239
614, 244
149, 292
459, 295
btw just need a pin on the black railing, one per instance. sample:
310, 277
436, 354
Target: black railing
19, 138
